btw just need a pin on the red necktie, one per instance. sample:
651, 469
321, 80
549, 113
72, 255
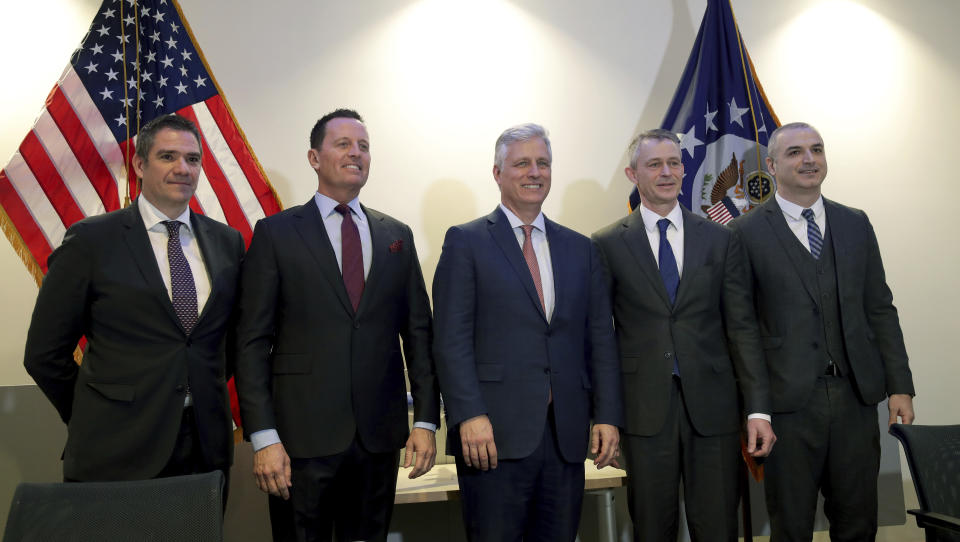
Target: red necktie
351, 256
531, 257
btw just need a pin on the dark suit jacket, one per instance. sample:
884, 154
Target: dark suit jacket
496, 353
650, 331
311, 367
123, 405
787, 309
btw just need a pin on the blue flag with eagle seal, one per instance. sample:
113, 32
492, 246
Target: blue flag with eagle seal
723, 120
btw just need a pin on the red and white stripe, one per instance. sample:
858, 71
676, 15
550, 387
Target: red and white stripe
69, 166
719, 213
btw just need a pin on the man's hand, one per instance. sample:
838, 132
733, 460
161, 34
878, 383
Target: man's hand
605, 442
476, 438
900, 405
423, 443
760, 437
271, 468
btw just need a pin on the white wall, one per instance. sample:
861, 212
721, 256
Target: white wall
437, 80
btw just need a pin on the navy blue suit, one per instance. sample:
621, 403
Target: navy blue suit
497, 354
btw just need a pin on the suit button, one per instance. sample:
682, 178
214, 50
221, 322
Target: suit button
816, 311
815, 345
180, 389
189, 342
356, 325
546, 371
673, 319
668, 355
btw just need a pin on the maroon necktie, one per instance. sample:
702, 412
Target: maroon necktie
351, 256
183, 290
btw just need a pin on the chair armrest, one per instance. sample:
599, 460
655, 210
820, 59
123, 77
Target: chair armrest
937, 521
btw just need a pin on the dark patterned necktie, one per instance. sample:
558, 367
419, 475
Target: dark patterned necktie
813, 234
351, 256
182, 288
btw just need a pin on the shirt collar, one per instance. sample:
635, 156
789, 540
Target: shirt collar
327, 206
515, 222
152, 216
794, 211
650, 218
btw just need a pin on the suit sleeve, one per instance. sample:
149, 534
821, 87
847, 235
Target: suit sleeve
604, 357
743, 332
883, 320
59, 320
256, 330
417, 335
454, 303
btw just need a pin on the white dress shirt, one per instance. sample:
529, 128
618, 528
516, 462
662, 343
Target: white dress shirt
541, 247
157, 233
798, 224
674, 233
332, 221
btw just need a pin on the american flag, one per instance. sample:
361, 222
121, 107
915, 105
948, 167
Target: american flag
138, 61
723, 119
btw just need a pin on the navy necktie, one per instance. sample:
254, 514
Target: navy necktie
813, 234
668, 272
351, 256
668, 262
182, 288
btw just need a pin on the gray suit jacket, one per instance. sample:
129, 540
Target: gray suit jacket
787, 309
650, 331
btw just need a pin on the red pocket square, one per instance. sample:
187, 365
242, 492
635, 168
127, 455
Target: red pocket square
396, 246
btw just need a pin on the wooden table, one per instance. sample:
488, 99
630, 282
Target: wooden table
440, 484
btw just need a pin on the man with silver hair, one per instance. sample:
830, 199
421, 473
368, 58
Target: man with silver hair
525, 354
669, 272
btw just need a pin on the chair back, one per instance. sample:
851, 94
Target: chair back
179, 508
933, 454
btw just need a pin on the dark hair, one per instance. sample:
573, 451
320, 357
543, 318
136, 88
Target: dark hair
320, 128
172, 121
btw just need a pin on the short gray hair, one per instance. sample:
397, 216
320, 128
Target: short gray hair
518, 133
775, 136
656, 134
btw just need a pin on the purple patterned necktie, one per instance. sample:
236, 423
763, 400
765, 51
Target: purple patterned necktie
182, 287
351, 256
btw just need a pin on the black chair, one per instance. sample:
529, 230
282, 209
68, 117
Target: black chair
180, 508
933, 453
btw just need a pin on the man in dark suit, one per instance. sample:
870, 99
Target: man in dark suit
830, 337
525, 354
328, 290
151, 287
668, 274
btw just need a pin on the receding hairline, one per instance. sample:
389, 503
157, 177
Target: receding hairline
774, 140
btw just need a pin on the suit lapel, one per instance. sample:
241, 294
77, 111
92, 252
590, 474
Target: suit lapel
638, 243
379, 248
695, 248
137, 241
788, 241
839, 237
213, 259
504, 237
314, 235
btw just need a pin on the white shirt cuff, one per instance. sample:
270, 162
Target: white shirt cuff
422, 425
262, 439
749, 417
